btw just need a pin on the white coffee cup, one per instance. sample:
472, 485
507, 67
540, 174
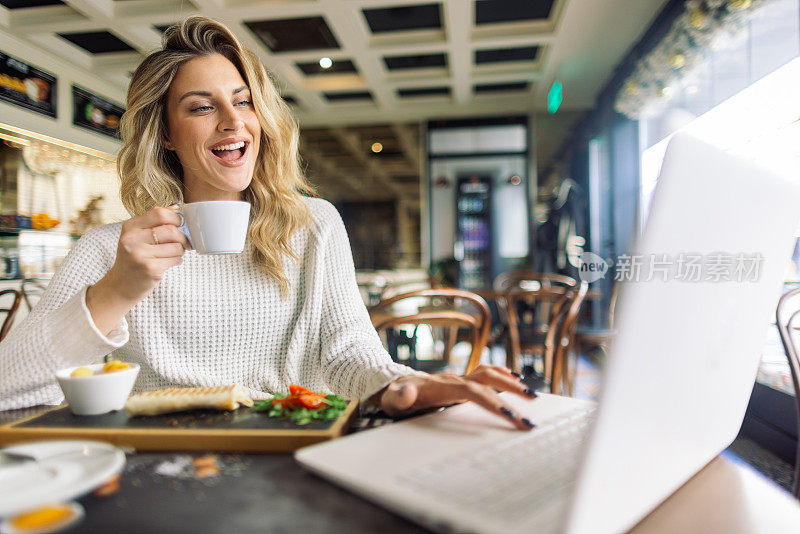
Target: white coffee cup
216, 226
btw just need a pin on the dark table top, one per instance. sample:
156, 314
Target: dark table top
251, 493
162, 493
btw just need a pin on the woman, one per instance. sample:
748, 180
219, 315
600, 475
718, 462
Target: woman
204, 122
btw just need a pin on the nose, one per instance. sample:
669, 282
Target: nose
229, 119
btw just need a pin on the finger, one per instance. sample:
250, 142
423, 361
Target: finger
498, 368
156, 217
167, 250
158, 266
507, 371
491, 401
496, 378
176, 207
166, 234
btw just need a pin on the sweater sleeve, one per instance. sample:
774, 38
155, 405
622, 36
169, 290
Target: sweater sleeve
59, 332
354, 362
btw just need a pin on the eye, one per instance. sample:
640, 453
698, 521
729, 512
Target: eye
201, 108
244, 103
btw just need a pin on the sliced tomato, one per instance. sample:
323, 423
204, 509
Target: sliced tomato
311, 402
294, 389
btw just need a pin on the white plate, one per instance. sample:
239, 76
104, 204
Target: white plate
64, 470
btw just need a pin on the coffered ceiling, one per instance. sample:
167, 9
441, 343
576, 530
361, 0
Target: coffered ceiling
394, 63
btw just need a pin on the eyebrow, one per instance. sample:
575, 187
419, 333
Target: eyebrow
207, 94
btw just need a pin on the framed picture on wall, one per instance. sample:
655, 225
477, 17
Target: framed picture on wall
94, 113
26, 86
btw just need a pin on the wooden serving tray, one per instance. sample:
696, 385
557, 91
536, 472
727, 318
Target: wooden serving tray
241, 430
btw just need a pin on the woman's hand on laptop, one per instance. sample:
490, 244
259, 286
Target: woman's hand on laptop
413, 393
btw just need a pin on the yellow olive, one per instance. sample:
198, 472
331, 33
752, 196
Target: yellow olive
115, 365
82, 371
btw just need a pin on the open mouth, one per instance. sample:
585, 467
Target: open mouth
231, 155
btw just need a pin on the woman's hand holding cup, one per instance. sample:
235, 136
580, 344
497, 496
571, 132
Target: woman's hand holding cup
148, 245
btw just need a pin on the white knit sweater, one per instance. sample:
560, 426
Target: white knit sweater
213, 320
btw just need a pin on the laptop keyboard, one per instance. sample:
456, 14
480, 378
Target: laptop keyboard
526, 475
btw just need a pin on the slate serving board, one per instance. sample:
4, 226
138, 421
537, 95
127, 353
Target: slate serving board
241, 430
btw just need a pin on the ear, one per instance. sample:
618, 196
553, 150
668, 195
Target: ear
168, 145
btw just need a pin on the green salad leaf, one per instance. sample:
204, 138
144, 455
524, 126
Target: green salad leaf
334, 407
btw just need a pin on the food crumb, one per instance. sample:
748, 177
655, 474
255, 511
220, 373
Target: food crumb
206, 466
110, 487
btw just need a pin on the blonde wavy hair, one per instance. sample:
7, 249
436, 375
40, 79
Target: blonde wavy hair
152, 176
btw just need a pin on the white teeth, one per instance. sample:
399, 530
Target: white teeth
233, 146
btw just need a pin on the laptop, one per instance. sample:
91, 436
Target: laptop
675, 385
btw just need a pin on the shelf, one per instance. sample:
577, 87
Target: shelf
14, 232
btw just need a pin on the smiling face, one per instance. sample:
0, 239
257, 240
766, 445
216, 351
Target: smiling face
213, 129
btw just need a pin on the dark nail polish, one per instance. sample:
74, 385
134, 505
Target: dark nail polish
508, 413
527, 422
529, 392
516, 375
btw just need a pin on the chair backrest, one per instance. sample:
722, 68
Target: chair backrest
442, 311
10, 311
566, 332
32, 291
548, 290
612, 305
527, 279
562, 298
786, 318
407, 286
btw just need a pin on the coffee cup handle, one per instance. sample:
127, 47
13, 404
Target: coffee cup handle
184, 228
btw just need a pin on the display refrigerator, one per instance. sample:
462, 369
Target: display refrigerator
478, 197
473, 247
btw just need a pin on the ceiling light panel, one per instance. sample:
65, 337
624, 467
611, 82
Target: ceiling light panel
22, 4
287, 35
501, 87
348, 96
313, 68
423, 91
98, 42
506, 55
499, 11
423, 61
404, 18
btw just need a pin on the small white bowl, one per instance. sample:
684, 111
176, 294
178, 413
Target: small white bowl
99, 393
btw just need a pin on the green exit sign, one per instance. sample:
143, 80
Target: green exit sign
554, 97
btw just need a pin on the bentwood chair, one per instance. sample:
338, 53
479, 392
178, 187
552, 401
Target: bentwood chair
9, 312
566, 339
587, 336
447, 309
786, 316
532, 308
406, 286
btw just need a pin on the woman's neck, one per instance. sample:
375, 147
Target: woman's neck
193, 195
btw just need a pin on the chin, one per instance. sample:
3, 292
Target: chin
234, 184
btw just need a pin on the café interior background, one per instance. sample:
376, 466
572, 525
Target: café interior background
395, 66
465, 137
558, 110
